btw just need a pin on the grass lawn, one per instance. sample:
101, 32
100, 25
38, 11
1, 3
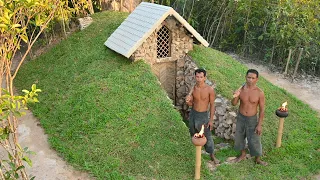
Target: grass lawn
110, 117
299, 155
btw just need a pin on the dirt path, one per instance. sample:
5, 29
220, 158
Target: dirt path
306, 89
47, 165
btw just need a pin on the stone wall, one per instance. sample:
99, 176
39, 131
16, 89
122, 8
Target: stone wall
127, 6
181, 43
224, 118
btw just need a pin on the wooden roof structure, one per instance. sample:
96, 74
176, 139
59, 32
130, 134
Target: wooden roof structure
139, 25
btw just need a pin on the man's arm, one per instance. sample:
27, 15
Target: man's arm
236, 97
261, 113
189, 98
212, 98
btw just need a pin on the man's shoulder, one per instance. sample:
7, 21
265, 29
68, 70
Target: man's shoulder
209, 89
259, 90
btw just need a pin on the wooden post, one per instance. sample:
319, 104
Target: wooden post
121, 4
131, 5
280, 131
198, 162
297, 64
288, 60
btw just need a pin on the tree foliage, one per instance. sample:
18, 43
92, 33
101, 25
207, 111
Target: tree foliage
264, 28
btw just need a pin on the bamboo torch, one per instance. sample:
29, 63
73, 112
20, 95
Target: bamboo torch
198, 140
282, 113
239, 89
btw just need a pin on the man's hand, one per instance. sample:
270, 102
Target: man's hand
210, 125
258, 129
236, 93
188, 99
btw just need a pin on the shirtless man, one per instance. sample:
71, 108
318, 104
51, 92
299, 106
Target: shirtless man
248, 125
199, 98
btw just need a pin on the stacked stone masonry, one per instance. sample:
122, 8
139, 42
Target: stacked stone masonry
181, 44
224, 118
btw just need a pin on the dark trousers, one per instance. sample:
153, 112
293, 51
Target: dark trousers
196, 120
245, 128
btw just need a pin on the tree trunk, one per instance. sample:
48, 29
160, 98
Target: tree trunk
121, 5
188, 19
184, 6
131, 5
207, 23
288, 60
297, 64
64, 28
91, 11
215, 19
272, 52
246, 30
218, 26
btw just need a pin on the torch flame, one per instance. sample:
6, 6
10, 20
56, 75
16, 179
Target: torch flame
283, 107
284, 104
202, 130
200, 134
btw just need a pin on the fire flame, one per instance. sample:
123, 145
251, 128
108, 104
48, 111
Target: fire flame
284, 104
283, 107
200, 134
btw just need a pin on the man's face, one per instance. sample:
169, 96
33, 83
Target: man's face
200, 78
251, 78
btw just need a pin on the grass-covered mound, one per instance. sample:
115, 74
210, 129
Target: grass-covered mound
110, 117
104, 114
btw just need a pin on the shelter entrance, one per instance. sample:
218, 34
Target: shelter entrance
166, 74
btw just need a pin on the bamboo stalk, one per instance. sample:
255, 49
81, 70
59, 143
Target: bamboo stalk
288, 60
198, 162
297, 64
121, 4
280, 131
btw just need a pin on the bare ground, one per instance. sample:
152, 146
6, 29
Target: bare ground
47, 165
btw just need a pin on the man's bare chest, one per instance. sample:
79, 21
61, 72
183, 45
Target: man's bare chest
201, 95
251, 97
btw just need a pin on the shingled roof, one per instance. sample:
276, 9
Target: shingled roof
139, 25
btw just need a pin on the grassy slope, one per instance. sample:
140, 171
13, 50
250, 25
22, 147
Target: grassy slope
299, 155
110, 117
105, 114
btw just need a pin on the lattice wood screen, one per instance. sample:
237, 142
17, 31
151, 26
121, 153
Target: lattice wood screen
163, 42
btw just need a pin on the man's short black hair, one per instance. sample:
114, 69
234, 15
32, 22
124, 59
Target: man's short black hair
253, 71
200, 70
